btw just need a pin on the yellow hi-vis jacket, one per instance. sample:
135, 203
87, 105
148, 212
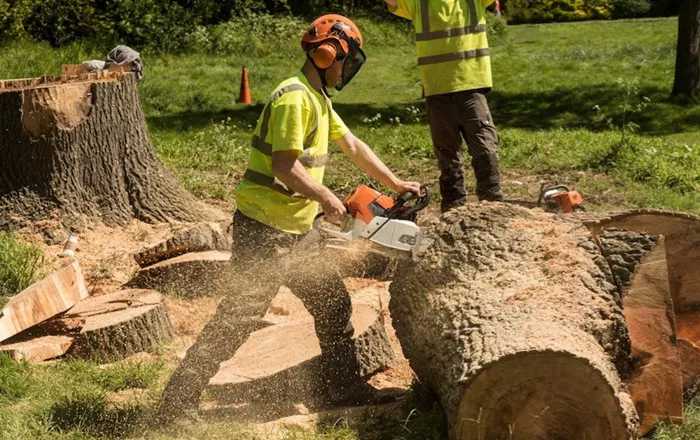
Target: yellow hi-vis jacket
453, 51
296, 118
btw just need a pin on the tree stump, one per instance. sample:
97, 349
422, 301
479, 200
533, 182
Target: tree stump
106, 328
79, 145
512, 317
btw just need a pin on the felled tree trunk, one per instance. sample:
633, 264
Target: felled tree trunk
73, 146
512, 317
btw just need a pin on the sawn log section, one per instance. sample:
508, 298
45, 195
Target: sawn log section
512, 317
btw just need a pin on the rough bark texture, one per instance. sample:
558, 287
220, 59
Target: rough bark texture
79, 146
512, 322
624, 250
191, 275
687, 78
199, 238
639, 263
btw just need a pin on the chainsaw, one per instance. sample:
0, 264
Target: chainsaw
387, 224
559, 199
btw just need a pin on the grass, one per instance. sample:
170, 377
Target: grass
20, 265
584, 103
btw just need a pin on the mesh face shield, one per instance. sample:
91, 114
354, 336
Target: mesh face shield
353, 61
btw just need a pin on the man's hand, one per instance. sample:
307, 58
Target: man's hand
392, 3
332, 207
403, 187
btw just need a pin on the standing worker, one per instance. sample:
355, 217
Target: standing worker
455, 69
277, 202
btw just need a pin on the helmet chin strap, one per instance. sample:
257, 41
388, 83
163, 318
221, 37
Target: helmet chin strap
321, 74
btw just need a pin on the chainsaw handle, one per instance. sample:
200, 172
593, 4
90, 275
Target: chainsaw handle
421, 201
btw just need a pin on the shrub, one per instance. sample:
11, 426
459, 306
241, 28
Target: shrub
542, 11
630, 8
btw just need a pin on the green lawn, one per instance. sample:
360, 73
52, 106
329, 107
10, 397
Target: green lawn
561, 94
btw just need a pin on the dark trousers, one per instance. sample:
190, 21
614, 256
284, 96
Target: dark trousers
262, 261
464, 115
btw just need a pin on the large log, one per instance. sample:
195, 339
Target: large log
638, 262
512, 317
79, 145
43, 300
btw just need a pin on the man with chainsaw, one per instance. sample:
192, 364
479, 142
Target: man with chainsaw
277, 202
455, 68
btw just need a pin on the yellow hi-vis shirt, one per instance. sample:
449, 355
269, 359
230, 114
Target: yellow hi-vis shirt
296, 118
453, 51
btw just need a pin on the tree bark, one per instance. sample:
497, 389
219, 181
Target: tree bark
79, 146
687, 78
512, 317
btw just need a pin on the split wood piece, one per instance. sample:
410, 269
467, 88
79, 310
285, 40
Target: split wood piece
201, 237
114, 326
690, 366
282, 361
512, 323
655, 384
682, 234
79, 146
189, 276
36, 349
43, 300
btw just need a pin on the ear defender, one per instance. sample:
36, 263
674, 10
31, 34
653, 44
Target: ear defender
324, 55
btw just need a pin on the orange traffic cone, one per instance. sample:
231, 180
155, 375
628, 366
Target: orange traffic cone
244, 95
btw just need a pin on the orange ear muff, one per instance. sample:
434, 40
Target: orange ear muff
324, 56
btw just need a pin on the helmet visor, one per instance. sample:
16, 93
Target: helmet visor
352, 63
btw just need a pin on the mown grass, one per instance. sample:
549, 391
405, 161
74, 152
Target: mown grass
586, 103
563, 95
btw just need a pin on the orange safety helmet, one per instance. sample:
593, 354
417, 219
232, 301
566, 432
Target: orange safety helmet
328, 32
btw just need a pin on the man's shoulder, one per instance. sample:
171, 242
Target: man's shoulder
292, 91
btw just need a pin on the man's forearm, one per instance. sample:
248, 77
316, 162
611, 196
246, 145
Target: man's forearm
365, 159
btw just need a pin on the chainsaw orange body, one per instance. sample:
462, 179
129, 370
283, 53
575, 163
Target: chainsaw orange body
365, 203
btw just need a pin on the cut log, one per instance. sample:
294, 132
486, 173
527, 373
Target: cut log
188, 276
37, 349
682, 234
200, 238
639, 262
277, 362
43, 300
110, 327
512, 318
79, 145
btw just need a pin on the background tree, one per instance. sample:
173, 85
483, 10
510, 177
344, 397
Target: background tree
687, 80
